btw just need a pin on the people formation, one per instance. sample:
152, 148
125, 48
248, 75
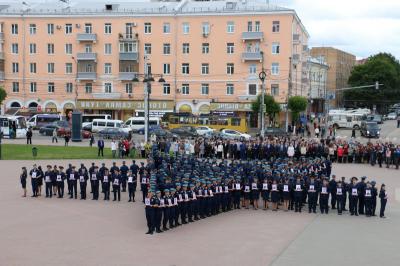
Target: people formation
180, 189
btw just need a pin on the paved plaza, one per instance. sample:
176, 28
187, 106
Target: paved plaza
40, 231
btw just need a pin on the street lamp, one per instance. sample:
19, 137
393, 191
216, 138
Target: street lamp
147, 78
262, 76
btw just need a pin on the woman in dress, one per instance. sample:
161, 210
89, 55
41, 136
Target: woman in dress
23, 177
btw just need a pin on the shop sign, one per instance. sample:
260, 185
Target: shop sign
123, 105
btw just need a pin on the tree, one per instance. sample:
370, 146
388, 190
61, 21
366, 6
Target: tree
3, 95
271, 107
385, 69
297, 104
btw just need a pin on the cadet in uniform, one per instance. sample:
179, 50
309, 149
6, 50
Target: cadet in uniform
22, 178
340, 194
166, 203
312, 195
353, 197
274, 195
73, 176
124, 175
116, 184
149, 212
94, 178
48, 176
298, 195
34, 173
144, 182
105, 183
383, 196
83, 177
324, 197
368, 200
60, 177
158, 211
265, 193
286, 194
131, 186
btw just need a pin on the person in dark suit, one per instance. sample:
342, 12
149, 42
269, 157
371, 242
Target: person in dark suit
100, 146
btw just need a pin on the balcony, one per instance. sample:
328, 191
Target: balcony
128, 37
296, 38
86, 37
252, 36
1, 55
252, 56
126, 76
103, 95
86, 76
132, 56
1, 75
86, 56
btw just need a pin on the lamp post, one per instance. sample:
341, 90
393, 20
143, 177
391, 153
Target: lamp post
147, 79
288, 94
262, 76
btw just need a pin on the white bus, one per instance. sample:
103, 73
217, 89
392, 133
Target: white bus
346, 118
136, 123
41, 120
17, 123
100, 124
88, 118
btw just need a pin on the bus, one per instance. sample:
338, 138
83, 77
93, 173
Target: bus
41, 120
212, 121
346, 118
88, 118
13, 123
136, 123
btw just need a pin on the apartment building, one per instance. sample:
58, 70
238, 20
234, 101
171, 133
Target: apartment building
317, 92
57, 57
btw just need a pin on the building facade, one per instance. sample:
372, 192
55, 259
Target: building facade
340, 65
317, 93
57, 57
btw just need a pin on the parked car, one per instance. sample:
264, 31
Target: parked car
185, 131
234, 134
110, 133
392, 116
370, 129
63, 131
158, 131
205, 131
374, 118
151, 129
48, 130
275, 131
87, 127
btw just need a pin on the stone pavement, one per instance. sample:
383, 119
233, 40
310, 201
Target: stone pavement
40, 231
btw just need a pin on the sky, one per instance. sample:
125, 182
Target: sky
361, 27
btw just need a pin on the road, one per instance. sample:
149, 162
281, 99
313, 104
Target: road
39, 231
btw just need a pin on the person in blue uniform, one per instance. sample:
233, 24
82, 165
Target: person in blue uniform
83, 177
286, 188
48, 176
312, 193
324, 197
131, 186
179, 200
23, 176
91, 171
192, 203
236, 190
332, 188
149, 211
144, 182
60, 177
158, 209
54, 179
340, 194
167, 203
368, 200
124, 175
134, 169
345, 186
298, 194
94, 178
255, 193
34, 173
105, 182
374, 195
40, 181
361, 196
172, 207
185, 203
275, 195
383, 196
73, 177
265, 193
116, 184
353, 196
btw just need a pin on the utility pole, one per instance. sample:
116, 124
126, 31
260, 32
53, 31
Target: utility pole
262, 75
288, 94
146, 101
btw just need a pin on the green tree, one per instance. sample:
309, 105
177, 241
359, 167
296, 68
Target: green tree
297, 104
271, 107
3, 95
385, 69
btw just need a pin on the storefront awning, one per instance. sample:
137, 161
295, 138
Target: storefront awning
204, 109
225, 107
185, 109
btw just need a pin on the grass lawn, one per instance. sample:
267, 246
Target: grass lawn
24, 152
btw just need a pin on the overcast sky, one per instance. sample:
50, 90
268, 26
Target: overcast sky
361, 27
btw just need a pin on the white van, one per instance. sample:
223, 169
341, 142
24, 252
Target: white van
136, 123
99, 124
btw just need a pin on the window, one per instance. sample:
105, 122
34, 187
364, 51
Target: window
205, 48
88, 48
50, 87
107, 48
257, 26
15, 87
68, 28
166, 48
185, 68
32, 48
205, 69
275, 48
14, 29
166, 28
230, 48
249, 26
204, 89
32, 29
50, 68
166, 89
88, 68
88, 88
147, 27
274, 89
15, 67
185, 89
128, 87
127, 47
14, 48
107, 87
275, 69
50, 29
205, 27
230, 89
68, 87
252, 69
167, 69
230, 68
147, 48
185, 48
185, 28
252, 89
68, 48
33, 87
50, 48
148, 68
230, 27
88, 28
107, 68
32, 68
275, 26
107, 28
68, 68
